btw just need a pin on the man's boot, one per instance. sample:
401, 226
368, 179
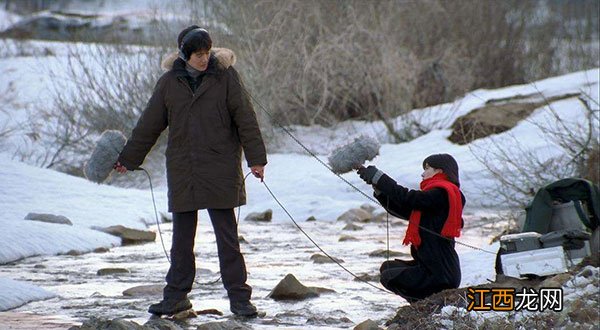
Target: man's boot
243, 308
170, 306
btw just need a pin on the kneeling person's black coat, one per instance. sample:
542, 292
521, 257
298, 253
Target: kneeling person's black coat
435, 266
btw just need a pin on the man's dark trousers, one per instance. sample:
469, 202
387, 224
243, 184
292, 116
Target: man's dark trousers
182, 272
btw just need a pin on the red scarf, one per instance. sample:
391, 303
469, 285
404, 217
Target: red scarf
453, 222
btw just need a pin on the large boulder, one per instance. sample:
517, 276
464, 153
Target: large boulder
49, 218
498, 116
289, 288
129, 236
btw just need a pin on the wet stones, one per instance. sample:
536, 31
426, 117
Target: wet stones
49, 218
289, 288
111, 271
101, 323
260, 216
352, 227
367, 278
144, 291
383, 253
367, 325
129, 236
347, 238
227, 325
321, 259
355, 215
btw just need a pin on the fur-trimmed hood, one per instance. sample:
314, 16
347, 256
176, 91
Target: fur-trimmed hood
225, 56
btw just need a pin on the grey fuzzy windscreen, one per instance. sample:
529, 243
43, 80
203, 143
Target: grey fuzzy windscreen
105, 154
354, 154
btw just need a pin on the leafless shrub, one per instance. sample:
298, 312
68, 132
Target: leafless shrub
318, 62
520, 172
101, 87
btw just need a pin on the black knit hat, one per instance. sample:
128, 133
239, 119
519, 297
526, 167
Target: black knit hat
192, 39
446, 163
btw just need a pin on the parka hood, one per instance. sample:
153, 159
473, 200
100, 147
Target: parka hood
225, 58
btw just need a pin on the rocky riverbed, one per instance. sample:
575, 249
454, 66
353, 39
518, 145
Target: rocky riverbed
93, 285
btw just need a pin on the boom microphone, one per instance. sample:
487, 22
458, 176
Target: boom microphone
354, 154
104, 156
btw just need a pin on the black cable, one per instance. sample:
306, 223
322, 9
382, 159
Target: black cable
156, 213
273, 120
317, 245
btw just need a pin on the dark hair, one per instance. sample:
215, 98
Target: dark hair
192, 39
446, 163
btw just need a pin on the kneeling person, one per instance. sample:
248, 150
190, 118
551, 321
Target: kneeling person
436, 208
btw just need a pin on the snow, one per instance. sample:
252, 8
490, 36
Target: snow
28, 189
302, 184
14, 293
7, 19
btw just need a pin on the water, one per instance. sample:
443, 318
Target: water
273, 250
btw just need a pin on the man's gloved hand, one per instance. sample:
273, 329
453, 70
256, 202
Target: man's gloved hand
370, 174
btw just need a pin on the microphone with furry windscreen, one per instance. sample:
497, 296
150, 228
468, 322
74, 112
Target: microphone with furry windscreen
354, 154
105, 155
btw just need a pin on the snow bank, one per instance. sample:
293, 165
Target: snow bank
25, 189
14, 294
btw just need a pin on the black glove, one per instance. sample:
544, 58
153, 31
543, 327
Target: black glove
370, 174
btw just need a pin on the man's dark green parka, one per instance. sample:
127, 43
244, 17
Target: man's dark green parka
208, 129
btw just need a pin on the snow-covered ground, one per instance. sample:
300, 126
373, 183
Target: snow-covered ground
303, 185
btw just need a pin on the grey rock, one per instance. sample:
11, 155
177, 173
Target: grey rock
394, 326
129, 236
367, 325
368, 207
101, 250
321, 259
144, 290
383, 253
384, 217
319, 320
111, 271
289, 288
49, 218
161, 324
351, 226
74, 253
368, 278
347, 238
355, 215
39, 266
260, 216
227, 325
95, 323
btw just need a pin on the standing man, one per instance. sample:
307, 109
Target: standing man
210, 118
